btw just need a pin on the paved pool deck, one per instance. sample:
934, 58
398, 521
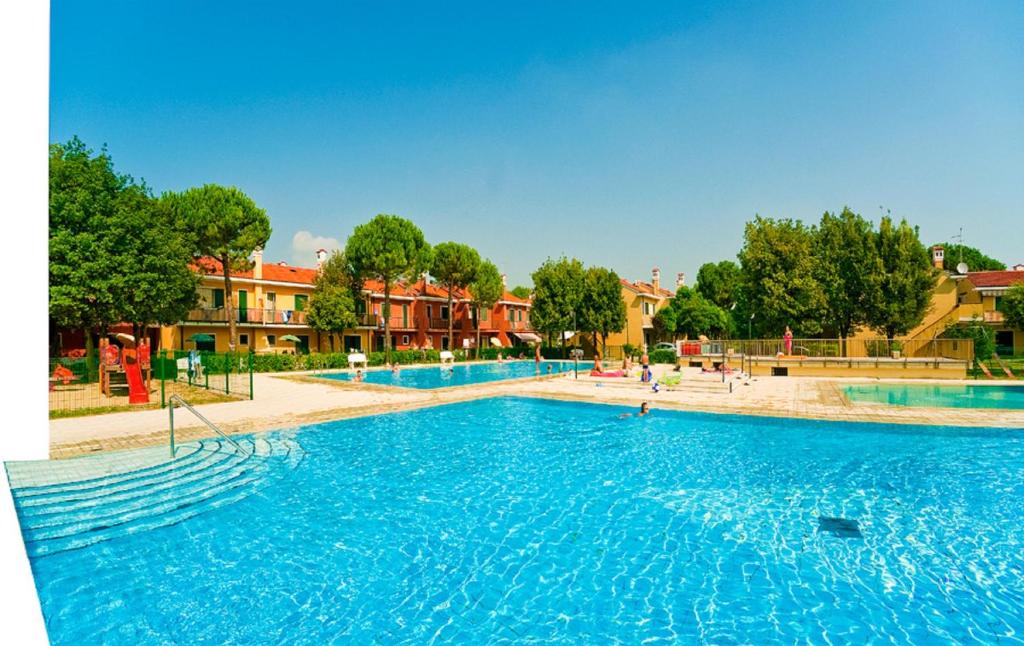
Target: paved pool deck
287, 400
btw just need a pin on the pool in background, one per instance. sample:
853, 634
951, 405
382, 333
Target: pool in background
509, 519
938, 396
460, 374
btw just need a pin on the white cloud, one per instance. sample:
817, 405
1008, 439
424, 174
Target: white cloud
305, 244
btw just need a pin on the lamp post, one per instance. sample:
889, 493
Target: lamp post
750, 326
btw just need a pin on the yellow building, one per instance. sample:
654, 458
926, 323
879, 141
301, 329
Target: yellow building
642, 300
974, 296
270, 302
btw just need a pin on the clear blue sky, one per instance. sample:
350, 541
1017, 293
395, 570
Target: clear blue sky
629, 134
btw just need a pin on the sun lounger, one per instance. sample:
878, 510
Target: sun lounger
1006, 368
985, 370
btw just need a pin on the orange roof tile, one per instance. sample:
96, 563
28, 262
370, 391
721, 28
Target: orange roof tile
995, 278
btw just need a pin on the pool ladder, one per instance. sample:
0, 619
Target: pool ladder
177, 400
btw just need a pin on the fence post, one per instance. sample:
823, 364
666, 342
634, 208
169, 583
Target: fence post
250, 373
163, 378
227, 373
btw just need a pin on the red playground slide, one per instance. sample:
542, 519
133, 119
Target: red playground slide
137, 391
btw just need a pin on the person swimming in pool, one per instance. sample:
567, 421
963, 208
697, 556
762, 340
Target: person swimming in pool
644, 410
359, 376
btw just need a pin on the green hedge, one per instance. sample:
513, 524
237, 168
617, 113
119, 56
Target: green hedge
662, 356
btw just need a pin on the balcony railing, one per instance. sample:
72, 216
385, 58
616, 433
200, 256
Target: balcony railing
366, 320
438, 324
398, 323
248, 315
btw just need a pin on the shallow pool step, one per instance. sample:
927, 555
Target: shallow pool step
210, 474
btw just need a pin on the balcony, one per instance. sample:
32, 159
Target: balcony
518, 326
250, 316
366, 320
438, 324
398, 323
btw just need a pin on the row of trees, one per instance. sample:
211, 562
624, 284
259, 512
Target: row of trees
568, 297
117, 253
390, 249
831, 278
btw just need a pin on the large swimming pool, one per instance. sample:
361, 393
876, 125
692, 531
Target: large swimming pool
938, 396
516, 520
460, 374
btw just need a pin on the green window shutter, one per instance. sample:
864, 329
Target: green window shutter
405, 315
218, 298
243, 306
300, 302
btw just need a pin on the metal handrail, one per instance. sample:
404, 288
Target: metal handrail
179, 401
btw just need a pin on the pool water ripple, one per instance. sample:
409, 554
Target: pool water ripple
511, 520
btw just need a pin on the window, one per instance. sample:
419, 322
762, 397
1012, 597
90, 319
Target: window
243, 339
405, 317
271, 340
430, 311
218, 298
520, 314
999, 304
405, 339
444, 312
272, 299
353, 342
511, 316
483, 315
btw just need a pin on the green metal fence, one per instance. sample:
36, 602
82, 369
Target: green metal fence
75, 383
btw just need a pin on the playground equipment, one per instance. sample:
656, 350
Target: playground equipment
121, 370
447, 358
357, 360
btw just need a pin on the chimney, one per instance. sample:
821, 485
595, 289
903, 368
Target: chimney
281, 263
938, 256
1018, 267
257, 263
680, 280
656, 278
321, 257
504, 282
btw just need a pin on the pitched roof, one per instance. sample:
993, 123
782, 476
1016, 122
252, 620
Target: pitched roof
641, 287
995, 278
276, 273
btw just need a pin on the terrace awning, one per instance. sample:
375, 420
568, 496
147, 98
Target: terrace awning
495, 341
202, 337
291, 337
528, 337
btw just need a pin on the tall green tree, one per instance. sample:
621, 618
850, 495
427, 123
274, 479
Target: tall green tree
388, 248
719, 282
975, 259
84, 190
664, 322
485, 290
225, 224
454, 266
601, 310
557, 292
114, 255
695, 315
1012, 306
779, 282
848, 269
332, 308
907, 280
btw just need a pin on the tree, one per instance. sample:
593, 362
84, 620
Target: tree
954, 254
387, 248
332, 305
907, 280
454, 266
983, 336
82, 268
486, 290
1012, 306
601, 309
520, 291
778, 277
848, 269
224, 224
558, 289
155, 284
719, 282
114, 255
664, 322
695, 315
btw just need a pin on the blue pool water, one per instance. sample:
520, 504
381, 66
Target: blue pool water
461, 374
940, 396
510, 520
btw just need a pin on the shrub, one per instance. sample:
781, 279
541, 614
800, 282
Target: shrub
662, 356
983, 336
629, 350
